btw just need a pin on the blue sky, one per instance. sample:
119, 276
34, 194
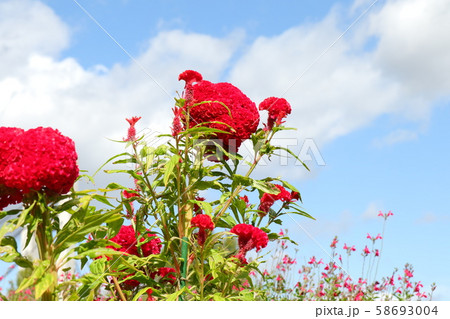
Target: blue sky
376, 103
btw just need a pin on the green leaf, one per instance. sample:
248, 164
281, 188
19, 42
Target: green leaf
265, 187
168, 168
9, 241
112, 158
72, 233
37, 273
242, 180
102, 199
204, 205
23, 262
98, 266
45, 282
8, 253
293, 154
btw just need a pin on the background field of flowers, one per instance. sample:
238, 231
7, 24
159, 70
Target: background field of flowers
376, 104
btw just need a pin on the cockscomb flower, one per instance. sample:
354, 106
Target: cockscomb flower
249, 237
267, 200
278, 109
40, 159
126, 238
131, 136
190, 76
203, 222
220, 106
177, 127
167, 274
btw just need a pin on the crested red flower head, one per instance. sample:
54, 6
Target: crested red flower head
267, 200
203, 222
131, 136
249, 237
126, 238
278, 109
40, 159
190, 76
167, 274
220, 106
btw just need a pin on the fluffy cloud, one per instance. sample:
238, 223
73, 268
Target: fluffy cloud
345, 90
414, 45
90, 105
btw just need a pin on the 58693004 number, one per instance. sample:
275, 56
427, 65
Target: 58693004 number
406, 310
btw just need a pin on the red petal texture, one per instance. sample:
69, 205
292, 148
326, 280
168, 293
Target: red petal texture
225, 104
40, 159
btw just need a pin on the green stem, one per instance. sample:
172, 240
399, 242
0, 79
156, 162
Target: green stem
184, 262
44, 248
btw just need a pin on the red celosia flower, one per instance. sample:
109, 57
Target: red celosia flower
40, 159
176, 124
167, 274
245, 199
197, 209
126, 238
131, 136
129, 195
220, 106
278, 109
249, 237
203, 222
190, 76
267, 200
149, 295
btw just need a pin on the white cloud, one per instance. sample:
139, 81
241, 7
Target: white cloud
414, 44
345, 90
28, 26
90, 105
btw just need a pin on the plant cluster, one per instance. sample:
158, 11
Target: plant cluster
327, 281
181, 231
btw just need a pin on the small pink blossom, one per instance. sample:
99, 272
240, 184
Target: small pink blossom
366, 250
418, 286
334, 242
312, 260
408, 273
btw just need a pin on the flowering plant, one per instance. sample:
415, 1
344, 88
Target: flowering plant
158, 238
331, 280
